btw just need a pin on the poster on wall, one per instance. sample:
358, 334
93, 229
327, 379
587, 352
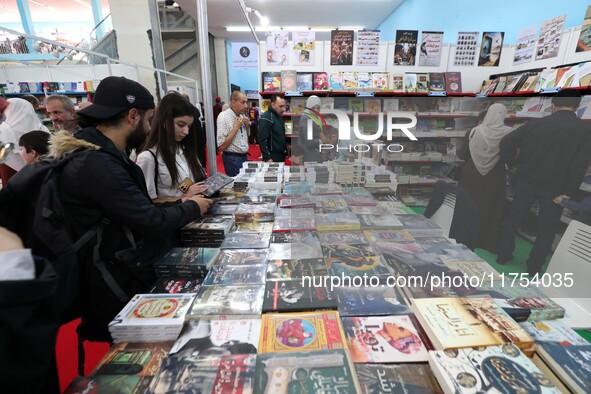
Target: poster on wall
430, 49
277, 48
584, 43
341, 47
405, 50
466, 48
550, 37
525, 45
491, 47
304, 48
368, 47
245, 55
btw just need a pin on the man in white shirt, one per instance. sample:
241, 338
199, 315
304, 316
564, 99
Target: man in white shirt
232, 138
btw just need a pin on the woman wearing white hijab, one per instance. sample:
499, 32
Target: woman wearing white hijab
20, 119
483, 175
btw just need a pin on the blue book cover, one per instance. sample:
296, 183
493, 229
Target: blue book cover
570, 363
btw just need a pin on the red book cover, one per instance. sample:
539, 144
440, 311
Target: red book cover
320, 81
453, 82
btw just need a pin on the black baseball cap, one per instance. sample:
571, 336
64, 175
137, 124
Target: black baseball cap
115, 95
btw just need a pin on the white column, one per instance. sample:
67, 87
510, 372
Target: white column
221, 67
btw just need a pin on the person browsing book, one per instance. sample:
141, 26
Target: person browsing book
483, 174
309, 143
232, 138
550, 156
169, 159
272, 139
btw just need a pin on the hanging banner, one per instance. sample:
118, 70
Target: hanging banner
550, 37
341, 47
491, 47
245, 55
405, 51
304, 48
368, 47
277, 48
466, 48
430, 49
525, 45
584, 43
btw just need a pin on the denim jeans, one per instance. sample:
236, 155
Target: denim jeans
233, 164
548, 220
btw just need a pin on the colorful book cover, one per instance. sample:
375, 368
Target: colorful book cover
377, 339
337, 221
494, 369
304, 82
357, 266
355, 105
553, 331
405, 49
373, 106
341, 47
208, 374
422, 85
141, 358
410, 82
271, 81
436, 82
584, 42
295, 268
227, 300
550, 37
155, 310
295, 332
237, 275
396, 379
491, 47
379, 81
297, 295
570, 363
188, 257
397, 83
453, 82
289, 80
206, 337
364, 80
452, 323
309, 372
370, 301
350, 80
348, 250
336, 80
321, 81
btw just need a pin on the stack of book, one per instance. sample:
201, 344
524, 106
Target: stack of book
208, 233
186, 262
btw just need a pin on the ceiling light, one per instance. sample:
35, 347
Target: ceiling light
82, 2
263, 19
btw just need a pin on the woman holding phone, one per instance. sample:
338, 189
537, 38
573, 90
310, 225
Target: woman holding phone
169, 157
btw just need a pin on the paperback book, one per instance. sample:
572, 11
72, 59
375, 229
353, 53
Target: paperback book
296, 296
236, 275
396, 379
295, 332
377, 339
295, 268
240, 301
371, 301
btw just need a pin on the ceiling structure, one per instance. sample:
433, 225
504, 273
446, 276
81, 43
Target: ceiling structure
368, 14
51, 11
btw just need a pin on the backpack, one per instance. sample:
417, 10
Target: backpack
32, 203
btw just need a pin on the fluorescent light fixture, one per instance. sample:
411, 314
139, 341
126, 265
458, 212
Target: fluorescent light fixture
82, 2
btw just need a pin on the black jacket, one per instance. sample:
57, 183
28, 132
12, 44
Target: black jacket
551, 153
271, 136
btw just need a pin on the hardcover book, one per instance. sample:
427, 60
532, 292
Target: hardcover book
204, 337
142, 359
376, 339
467, 322
397, 379
321, 81
304, 82
296, 295
305, 372
494, 369
436, 82
289, 80
295, 332
570, 364
370, 301
453, 82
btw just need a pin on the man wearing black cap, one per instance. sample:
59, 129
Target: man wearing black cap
105, 185
550, 156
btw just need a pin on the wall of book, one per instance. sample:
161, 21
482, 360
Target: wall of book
472, 76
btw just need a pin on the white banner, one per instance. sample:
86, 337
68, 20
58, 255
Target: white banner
244, 55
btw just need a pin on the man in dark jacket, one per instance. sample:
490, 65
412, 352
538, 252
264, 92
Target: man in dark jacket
105, 186
271, 137
550, 156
